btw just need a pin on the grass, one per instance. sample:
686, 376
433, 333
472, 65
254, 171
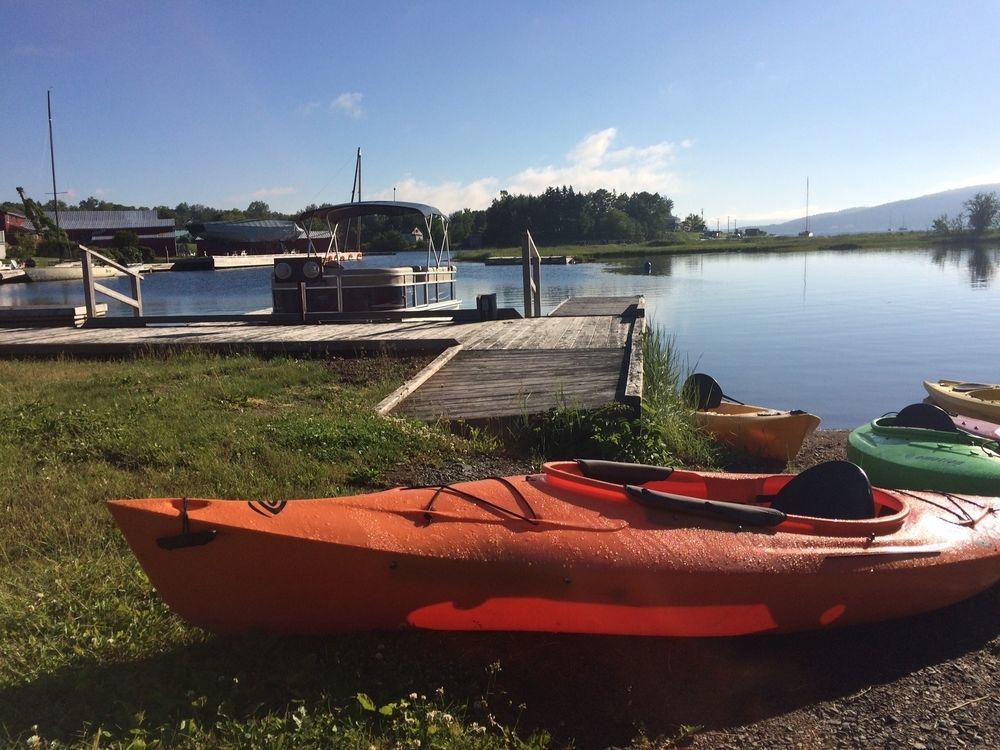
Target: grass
91, 657
685, 242
665, 433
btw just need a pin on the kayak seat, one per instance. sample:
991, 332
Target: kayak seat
837, 490
926, 416
702, 391
622, 473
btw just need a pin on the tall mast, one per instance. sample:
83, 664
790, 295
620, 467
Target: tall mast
52, 157
807, 204
356, 186
357, 177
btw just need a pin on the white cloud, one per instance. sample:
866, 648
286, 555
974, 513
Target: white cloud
594, 163
309, 107
591, 164
594, 148
448, 196
349, 104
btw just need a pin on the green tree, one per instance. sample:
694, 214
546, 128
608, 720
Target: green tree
55, 242
983, 210
693, 223
941, 225
390, 239
618, 226
125, 247
258, 210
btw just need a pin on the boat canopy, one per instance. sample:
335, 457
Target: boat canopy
337, 213
333, 215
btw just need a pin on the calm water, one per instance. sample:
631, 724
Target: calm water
847, 336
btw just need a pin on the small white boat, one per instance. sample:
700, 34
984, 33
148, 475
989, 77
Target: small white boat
68, 271
11, 272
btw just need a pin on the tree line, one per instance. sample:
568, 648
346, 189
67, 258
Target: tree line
982, 213
557, 216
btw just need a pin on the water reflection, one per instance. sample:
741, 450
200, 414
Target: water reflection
981, 262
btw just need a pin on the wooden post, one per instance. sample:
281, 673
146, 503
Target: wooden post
136, 295
89, 293
531, 263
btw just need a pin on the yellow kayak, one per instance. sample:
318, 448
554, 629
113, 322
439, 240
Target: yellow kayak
758, 430
978, 400
768, 433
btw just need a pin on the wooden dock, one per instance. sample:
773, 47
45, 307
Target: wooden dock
47, 315
485, 369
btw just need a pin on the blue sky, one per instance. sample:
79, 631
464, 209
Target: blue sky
725, 107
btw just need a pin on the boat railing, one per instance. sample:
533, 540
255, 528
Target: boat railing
91, 288
338, 289
531, 267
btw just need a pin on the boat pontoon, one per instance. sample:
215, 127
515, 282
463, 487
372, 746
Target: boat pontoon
319, 282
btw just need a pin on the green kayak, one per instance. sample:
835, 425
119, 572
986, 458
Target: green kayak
896, 454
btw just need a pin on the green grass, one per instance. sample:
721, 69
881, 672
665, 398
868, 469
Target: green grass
91, 657
686, 242
665, 433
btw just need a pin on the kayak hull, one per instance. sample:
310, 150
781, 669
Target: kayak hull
757, 430
979, 427
978, 400
552, 552
917, 458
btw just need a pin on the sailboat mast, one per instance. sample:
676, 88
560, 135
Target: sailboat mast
356, 186
52, 158
357, 177
807, 204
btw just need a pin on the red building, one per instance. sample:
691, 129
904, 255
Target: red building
10, 224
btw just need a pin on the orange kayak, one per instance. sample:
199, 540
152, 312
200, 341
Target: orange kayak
582, 547
768, 433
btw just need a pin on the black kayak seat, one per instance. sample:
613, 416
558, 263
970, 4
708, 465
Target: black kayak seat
926, 416
702, 391
836, 490
622, 473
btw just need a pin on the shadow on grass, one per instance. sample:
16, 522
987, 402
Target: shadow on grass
595, 690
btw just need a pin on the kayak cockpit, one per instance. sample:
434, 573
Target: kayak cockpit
829, 499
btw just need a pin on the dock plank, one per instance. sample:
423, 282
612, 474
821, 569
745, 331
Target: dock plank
484, 384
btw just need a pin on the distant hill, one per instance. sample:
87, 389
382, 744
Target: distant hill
914, 213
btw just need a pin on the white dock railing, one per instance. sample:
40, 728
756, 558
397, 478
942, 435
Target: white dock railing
91, 287
531, 267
